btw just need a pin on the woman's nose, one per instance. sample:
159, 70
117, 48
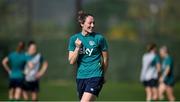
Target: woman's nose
92, 25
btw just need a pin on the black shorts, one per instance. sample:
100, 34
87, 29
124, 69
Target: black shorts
151, 83
15, 83
32, 86
90, 85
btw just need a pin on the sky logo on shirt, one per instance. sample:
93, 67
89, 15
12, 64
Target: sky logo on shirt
86, 51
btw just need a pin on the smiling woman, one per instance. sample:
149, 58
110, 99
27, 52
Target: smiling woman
88, 50
86, 21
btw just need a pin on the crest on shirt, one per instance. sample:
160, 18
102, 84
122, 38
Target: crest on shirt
91, 43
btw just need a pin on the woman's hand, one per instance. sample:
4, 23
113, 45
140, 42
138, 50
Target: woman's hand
78, 43
38, 75
30, 65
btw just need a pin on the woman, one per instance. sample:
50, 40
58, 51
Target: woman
167, 77
149, 72
34, 70
89, 52
14, 65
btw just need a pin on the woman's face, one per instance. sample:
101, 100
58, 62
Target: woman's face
162, 52
32, 49
88, 25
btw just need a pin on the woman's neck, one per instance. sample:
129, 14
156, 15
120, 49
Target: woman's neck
84, 33
31, 54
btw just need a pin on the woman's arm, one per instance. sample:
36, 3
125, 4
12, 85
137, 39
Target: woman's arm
42, 70
105, 60
166, 72
73, 55
158, 66
5, 65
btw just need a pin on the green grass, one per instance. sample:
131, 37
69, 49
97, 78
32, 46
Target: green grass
112, 91
58, 90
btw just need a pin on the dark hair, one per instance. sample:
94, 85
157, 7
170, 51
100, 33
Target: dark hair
82, 16
151, 46
21, 46
31, 43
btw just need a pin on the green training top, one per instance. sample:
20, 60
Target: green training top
17, 63
167, 61
89, 60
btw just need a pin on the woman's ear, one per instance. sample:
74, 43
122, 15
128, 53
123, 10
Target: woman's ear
82, 24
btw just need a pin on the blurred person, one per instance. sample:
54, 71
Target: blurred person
167, 77
14, 64
35, 68
149, 72
88, 52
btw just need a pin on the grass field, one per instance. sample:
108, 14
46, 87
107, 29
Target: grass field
112, 91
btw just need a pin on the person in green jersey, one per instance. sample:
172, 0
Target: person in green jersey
88, 51
14, 65
167, 76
